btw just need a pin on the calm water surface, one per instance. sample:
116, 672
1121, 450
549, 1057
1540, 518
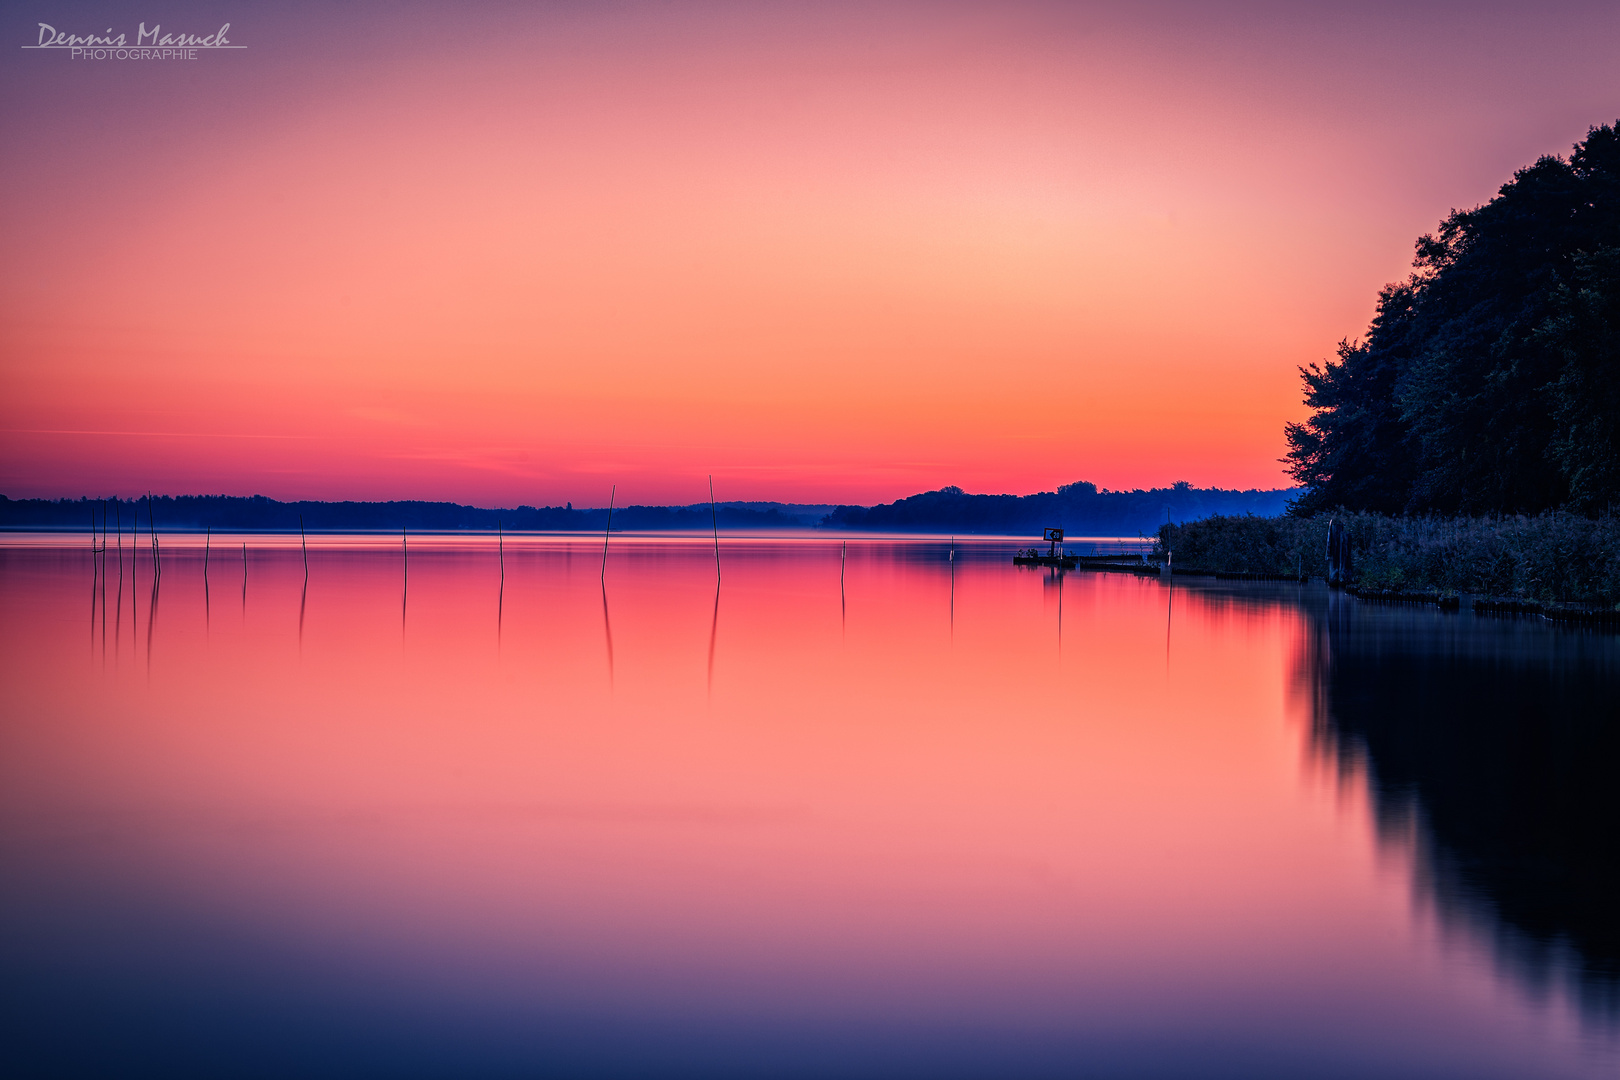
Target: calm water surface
900, 815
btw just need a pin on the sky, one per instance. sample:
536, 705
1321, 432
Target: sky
512, 254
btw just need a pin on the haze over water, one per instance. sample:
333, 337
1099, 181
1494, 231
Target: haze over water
909, 814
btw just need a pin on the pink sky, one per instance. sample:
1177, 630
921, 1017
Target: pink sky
826, 253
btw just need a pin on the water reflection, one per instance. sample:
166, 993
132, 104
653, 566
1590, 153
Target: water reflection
1494, 742
921, 842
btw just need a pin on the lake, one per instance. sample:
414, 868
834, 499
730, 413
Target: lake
905, 810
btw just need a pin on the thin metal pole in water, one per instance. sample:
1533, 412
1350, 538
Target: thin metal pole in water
405, 549
714, 515
608, 532
151, 530
134, 578
208, 542
500, 539
303, 543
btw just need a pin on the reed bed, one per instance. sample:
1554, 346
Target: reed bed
1552, 558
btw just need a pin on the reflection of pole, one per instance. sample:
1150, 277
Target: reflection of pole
95, 575
102, 558
714, 630
151, 621
1169, 611
714, 515
605, 534
607, 630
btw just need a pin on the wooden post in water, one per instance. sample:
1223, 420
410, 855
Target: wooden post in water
405, 549
304, 544
208, 542
608, 532
500, 539
714, 516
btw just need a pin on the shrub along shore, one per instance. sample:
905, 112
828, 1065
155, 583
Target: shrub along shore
1551, 558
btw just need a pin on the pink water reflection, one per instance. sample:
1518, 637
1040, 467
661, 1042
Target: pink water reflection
945, 816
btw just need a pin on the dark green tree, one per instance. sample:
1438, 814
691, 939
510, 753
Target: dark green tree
1354, 451
1479, 387
1584, 335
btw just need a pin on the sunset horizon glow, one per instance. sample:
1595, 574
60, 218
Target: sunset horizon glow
503, 255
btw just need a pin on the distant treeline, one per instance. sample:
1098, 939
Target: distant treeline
258, 514
1489, 380
1080, 508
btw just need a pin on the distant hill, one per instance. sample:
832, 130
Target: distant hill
1081, 508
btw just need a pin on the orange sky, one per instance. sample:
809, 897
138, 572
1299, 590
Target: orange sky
826, 253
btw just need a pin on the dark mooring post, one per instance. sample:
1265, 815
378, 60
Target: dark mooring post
405, 550
500, 540
608, 532
304, 544
208, 542
1339, 571
714, 515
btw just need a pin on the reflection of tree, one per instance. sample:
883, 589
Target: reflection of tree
1502, 739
